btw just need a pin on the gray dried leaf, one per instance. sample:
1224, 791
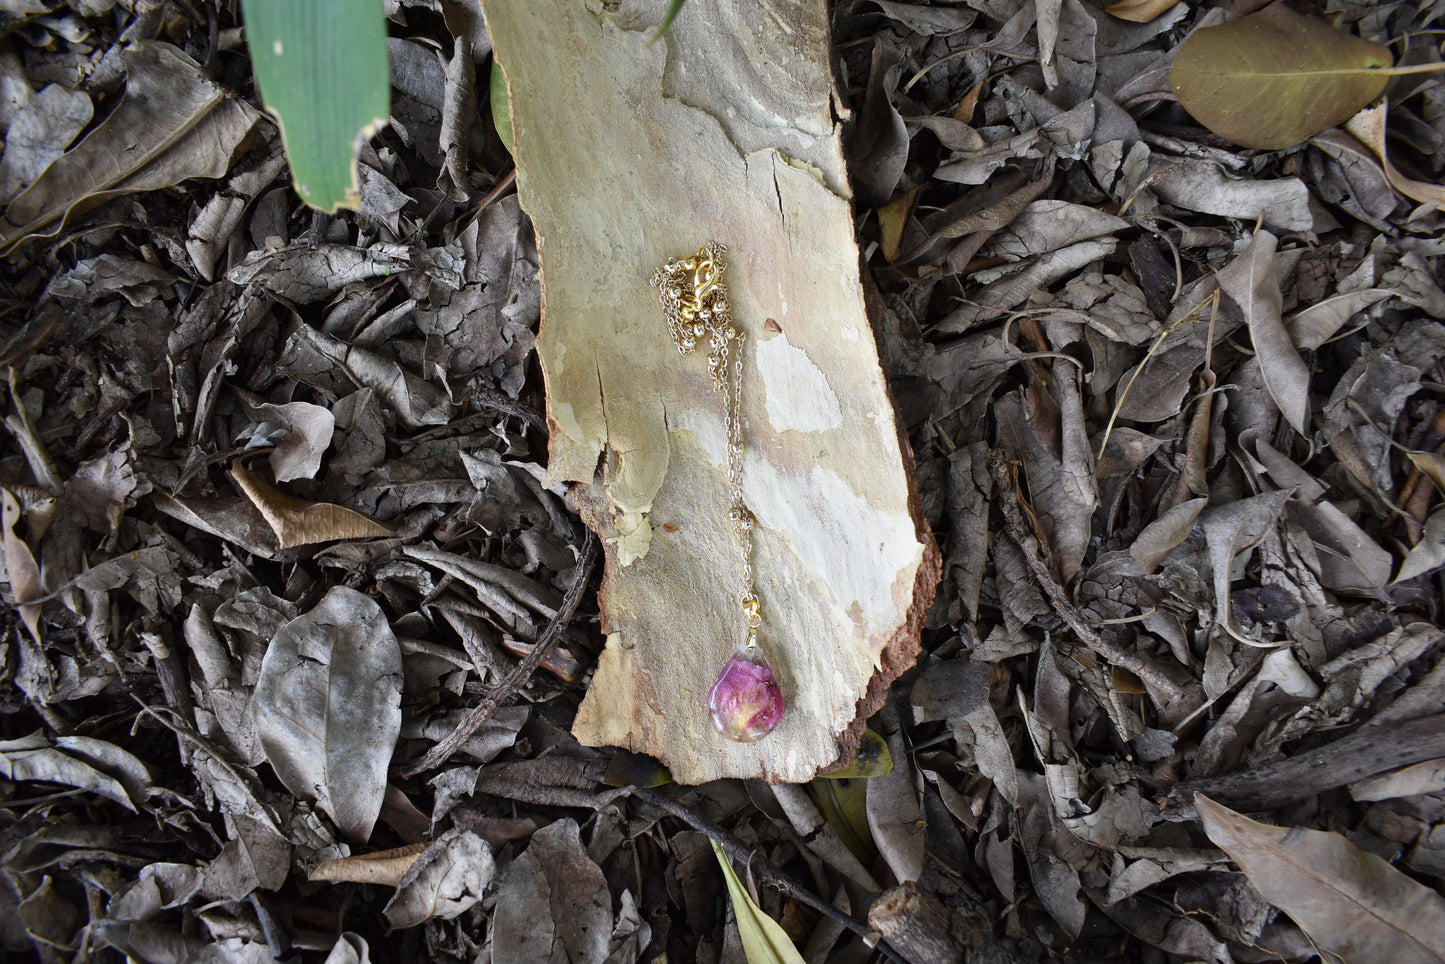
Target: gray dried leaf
1164, 533
328, 707
349, 948
304, 274
229, 517
256, 857
360, 437
1066, 34
459, 110
1422, 778
447, 879
171, 125
160, 886
101, 488
1350, 902
1015, 287
83, 762
214, 225
95, 278
415, 401
895, 815
22, 570
958, 692
1231, 529
928, 21
1150, 865
1321, 321
1198, 185
40, 133
969, 489
1045, 432
1429, 553
554, 904
1051, 224
1257, 293
300, 431
878, 149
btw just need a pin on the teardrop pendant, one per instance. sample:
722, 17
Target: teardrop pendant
745, 701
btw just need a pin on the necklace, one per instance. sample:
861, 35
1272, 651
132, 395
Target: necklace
744, 701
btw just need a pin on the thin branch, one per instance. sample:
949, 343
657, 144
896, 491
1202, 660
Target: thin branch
763, 870
1013, 521
503, 692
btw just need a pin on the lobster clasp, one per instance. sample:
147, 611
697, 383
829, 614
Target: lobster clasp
705, 273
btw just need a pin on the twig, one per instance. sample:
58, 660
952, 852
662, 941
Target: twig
1369, 750
1013, 520
767, 872
509, 687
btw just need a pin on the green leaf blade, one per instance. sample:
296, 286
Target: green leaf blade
764, 940
1275, 78
322, 69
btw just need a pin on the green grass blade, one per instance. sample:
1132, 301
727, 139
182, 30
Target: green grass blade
322, 68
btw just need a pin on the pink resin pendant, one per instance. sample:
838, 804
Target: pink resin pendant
745, 701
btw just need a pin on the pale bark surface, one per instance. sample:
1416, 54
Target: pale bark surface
629, 154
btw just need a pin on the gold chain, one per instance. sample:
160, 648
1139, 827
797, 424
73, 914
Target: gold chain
694, 301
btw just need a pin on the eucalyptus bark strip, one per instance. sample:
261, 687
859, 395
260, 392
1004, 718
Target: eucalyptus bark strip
629, 153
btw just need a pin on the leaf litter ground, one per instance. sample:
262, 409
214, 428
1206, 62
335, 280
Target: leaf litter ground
274, 526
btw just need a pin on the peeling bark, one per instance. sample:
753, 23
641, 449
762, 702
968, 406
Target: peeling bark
629, 154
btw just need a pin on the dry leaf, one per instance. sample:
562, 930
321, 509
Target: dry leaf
385, 867
40, 133
1275, 78
1429, 553
895, 816
1369, 127
298, 522
172, 124
1347, 900
448, 878
1139, 11
22, 570
327, 707
84, 762
300, 431
554, 873
1164, 533
1285, 373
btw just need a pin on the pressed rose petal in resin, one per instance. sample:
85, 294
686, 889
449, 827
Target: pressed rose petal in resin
745, 701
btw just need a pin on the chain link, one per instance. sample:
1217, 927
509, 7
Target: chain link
694, 302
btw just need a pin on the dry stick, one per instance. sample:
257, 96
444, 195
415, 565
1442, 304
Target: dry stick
517, 678
1013, 519
769, 874
1372, 749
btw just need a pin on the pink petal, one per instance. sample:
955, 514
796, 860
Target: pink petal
745, 701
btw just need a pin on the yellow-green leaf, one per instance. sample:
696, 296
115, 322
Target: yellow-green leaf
628, 769
764, 941
323, 72
845, 806
502, 108
871, 760
1275, 78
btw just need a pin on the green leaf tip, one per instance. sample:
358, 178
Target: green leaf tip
323, 72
